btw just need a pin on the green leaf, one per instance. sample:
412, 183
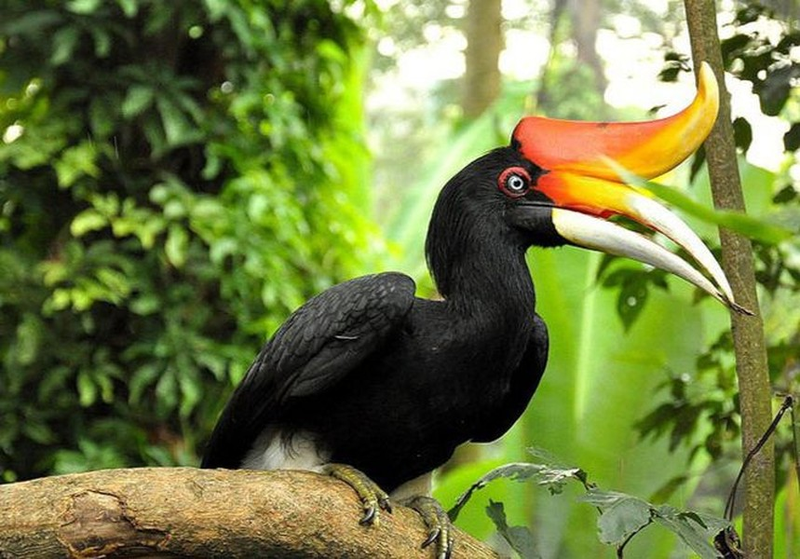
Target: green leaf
28, 339
102, 42
553, 478
65, 41
87, 390
517, 471
106, 386
694, 529
166, 390
76, 162
520, 538
83, 7
191, 393
622, 519
129, 7
177, 127
623, 515
741, 223
631, 300
141, 380
39, 432
86, 221
177, 245
137, 100
146, 304
116, 281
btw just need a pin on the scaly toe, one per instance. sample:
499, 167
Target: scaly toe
440, 528
373, 498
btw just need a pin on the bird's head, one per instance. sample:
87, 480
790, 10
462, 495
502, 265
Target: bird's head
557, 184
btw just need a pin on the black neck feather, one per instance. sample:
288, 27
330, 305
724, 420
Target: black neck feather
476, 259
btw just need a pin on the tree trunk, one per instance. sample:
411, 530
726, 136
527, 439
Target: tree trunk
586, 16
484, 35
748, 331
186, 512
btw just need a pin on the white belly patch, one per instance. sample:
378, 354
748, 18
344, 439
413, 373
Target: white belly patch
274, 451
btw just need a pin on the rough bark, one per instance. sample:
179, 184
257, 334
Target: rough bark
748, 331
484, 35
186, 512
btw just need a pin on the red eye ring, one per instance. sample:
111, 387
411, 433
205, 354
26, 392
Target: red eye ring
514, 182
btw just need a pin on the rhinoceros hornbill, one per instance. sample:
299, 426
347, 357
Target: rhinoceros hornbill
378, 387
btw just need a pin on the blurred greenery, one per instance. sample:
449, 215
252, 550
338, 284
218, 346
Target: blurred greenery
175, 178
647, 404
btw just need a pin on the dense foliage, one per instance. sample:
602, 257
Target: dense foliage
175, 177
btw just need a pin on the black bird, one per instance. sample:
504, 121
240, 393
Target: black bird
368, 375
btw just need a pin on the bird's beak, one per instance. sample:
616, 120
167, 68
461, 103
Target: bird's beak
585, 188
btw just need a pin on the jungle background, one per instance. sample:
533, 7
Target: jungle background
176, 178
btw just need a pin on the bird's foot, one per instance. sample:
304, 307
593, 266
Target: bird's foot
440, 529
373, 498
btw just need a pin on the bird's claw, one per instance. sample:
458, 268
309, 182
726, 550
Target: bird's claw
438, 523
433, 535
373, 498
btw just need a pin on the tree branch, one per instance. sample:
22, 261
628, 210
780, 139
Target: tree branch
737, 261
187, 512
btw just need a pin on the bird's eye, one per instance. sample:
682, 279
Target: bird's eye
514, 182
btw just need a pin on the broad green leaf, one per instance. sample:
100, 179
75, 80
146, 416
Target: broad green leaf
622, 519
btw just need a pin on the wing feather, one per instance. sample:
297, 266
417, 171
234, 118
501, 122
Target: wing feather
317, 346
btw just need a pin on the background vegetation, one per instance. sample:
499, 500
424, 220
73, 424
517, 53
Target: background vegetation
175, 178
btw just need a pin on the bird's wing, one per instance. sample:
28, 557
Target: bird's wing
317, 346
332, 334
